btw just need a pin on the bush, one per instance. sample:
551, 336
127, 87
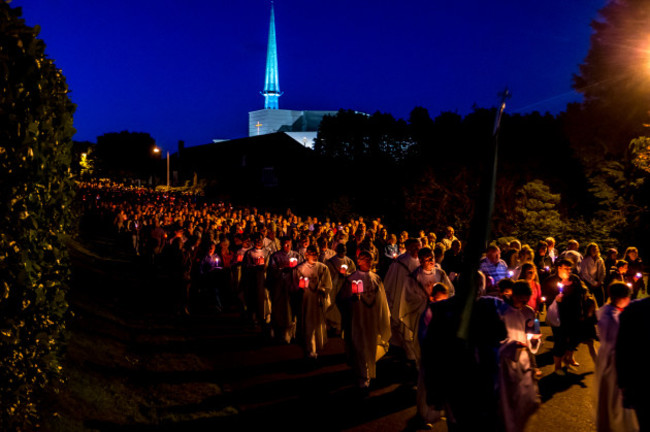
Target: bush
35, 198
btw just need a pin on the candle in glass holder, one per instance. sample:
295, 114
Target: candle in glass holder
293, 262
547, 268
343, 269
357, 287
638, 275
260, 260
303, 282
394, 255
240, 258
560, 287
511, 273
629, 284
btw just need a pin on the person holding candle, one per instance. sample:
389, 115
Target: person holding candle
518, 392
493, 266
572, 297
311, 287
634, 271
279, 279
611, 415
366, 320
592, 272
209, 270
340, 267
258, 303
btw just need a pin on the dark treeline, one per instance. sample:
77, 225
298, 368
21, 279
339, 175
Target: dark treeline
425, 173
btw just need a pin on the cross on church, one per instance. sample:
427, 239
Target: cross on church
258, 127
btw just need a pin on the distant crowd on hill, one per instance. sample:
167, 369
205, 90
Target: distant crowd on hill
304, 279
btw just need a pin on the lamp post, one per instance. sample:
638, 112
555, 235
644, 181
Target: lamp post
157, 151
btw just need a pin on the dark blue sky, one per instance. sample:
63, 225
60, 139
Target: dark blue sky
192, 70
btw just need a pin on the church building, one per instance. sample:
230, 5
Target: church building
301, 125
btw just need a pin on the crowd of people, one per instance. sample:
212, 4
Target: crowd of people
302, 280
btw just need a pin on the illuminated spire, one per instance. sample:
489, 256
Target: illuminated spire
271, 82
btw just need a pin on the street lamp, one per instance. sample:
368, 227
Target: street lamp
158, 150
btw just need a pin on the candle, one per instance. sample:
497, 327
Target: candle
293, 262
543, 299
547, 268
629, 284
638, 275
511, 273
343, 269
240, 257
357, 287
560, 287
260, 260
303, 282
394, 255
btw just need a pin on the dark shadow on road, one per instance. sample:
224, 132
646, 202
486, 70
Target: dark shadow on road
555, 383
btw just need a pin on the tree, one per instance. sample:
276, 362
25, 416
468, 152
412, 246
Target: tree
127, 154
35, 142
615, 79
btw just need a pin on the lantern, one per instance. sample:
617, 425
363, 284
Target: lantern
357, 287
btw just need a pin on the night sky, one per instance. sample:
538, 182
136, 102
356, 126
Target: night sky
193, 70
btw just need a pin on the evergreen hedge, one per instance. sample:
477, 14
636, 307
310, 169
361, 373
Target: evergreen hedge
36, 191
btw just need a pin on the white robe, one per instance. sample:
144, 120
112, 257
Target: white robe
414, 300
610, 413
315, 301
367, 328
394, 283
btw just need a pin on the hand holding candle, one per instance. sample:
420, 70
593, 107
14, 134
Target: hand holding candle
357, 287
293, 262
343, 269
560, 287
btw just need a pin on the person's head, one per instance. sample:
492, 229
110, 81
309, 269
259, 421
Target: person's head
515, 245
521, 293
593, 250
364, 261
449, 232
573, 245
341, 250
542, 248
564, 268
439, 292
612, 254
286, 243
528, 271
631, 253
526, 254
505, 288
311, 254
431, 237
550, 242
427, 260
211, 248
392, 239
493, 254
621, 266
619, 294
455, 246
258, 240
413, 246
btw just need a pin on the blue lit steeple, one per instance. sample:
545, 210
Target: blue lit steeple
271, 82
